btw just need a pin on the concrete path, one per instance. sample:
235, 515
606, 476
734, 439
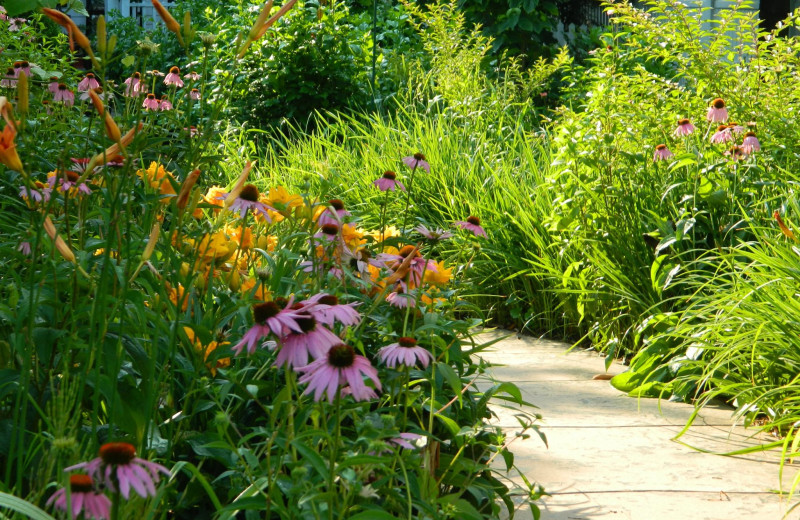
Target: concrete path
612, 457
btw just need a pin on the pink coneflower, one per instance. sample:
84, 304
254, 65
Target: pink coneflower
341, 366
685, 127
417, 161
736, 153
53, 85
24, 248
662, 153
314, 340
334, 214
717, 113
389, 182
736, 128
405, 352
472, 224
39, 194
155, 72
66, 181
120, 469
417, 267
83, 497
271, 318
400, 299
15, 24
20, 67
10, 80
105, 96
64, 95
248, 200
405, 439
192, 131
194, 94
132, 86
326, 309
174, 77
164, 104
434, 235
3, 15
88, 82
150, 102
722, 135
327, 232
750, 143
192, 76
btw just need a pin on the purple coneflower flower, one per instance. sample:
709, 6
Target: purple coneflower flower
334, 214
400, 299
192, 76
164, 104
405, 352
405, 439
417, 161
24, 248
685, 127
15, 24
328, 232
150, 102
192, 131
155, 72
132, 86
88, 82
750, 143
120, 469
83, 497
662, 153
248, 200
434, 235
10, 81
66, 181
20, 67
270, 318
736, 153
314, 340
722, 135
174, 77
472, 224
388, 182
736, 128
40, 194
717, 113
194, 94
417, 267
341, 366
53, 85
326, 309
64, 95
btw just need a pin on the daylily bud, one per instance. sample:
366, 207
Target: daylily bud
112, 130
61, 246
111, 152
74, 33
101, 35
188, 32
186, 189
240, 182
169, 21
151, 242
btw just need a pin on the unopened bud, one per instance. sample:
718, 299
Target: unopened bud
151, 242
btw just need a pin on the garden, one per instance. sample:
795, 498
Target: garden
248, 254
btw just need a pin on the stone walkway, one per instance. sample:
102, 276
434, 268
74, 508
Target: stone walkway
612, 457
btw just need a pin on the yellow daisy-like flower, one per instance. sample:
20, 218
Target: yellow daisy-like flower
441, 276
217, 246
267, 242
280, 199
388, 232
158, 178
214, 197
353, 236
207, 350
245, 242
261, 293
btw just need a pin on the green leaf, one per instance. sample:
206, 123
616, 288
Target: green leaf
451, 377
373, 514
312, 457
24, 507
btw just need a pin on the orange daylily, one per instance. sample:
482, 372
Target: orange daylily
8, 149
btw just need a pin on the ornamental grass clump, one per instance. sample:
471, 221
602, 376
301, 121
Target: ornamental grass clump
218, 334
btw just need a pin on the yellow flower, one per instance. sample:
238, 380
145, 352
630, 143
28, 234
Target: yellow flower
235, 234
176, 295
212, 247
280, 199
267, 242
262, 293
439, 277
158, 178
213, 195
427, 300
388, 232
353, 236
8, 149
207, 350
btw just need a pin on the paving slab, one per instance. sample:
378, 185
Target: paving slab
611, 456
